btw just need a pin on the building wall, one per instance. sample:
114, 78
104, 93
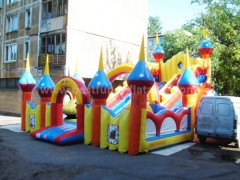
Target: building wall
15, 69
11, 101
115, 26
8, 104
10, 98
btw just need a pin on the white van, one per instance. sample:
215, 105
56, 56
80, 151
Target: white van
218, 117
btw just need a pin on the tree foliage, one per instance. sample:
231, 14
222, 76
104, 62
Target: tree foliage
178, 40
154, 25
223, 20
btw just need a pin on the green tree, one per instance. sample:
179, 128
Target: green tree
222, 19
178, 40
154, 25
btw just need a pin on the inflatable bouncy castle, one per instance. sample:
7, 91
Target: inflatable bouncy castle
155, 107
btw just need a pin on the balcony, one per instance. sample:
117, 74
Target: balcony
55, 60
53, 24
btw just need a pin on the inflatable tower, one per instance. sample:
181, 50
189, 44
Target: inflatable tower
99, 89
140, 82
26, 83
158, 54
45, 88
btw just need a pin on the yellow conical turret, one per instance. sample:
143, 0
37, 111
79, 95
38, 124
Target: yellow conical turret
27, 64
47, 66
142, 52
157, 40
100, 65
188, 61
205, 32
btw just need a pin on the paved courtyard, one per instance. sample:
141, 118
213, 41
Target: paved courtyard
22, 157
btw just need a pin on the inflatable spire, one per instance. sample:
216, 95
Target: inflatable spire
46, 85
99, 88
158, 52
141, 73
100, 82
206, 46
46, 71
188, 83
26, 83
77, 74
140, 81
206, 49
45, 88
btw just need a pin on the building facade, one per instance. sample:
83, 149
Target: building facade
69, 31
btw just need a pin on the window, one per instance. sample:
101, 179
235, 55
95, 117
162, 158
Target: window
62, 4
63, 43
50, 45
11, 1
47, 10
12, 23
223, 109
208, 108
57, 46
161, 40
9, 83
53, 44
54, 8
26, 49
28, 18
0, 3
3, 83
65, 6
43, 45
11, 52
150, 42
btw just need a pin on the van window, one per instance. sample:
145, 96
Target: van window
208, 108
223, 109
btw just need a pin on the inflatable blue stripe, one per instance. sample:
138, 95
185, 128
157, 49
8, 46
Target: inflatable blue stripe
176, 133
73, 139
52, 133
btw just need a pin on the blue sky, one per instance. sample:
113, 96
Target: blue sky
173, 13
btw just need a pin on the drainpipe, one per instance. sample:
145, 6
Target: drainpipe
3, 34
39, 28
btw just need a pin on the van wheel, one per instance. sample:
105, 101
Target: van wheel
202, 139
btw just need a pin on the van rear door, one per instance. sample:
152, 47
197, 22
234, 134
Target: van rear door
206, 120
224, 118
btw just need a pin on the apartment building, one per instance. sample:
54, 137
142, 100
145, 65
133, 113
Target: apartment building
19, 30
69, 31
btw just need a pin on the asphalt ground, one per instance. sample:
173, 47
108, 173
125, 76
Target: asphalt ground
22, 157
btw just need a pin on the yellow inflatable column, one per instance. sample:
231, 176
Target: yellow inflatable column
87, 124
124, 131
32, 116
37, 119
105, 119
29, 107
48, 114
